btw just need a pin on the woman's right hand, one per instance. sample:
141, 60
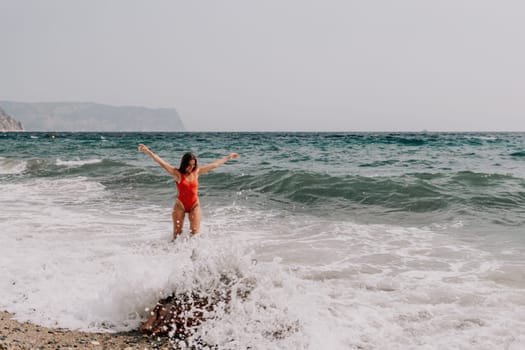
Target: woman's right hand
143, 148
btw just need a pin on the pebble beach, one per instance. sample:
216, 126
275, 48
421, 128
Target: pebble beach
15, 335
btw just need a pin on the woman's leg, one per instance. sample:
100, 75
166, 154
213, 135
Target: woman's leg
195, 219
178, 219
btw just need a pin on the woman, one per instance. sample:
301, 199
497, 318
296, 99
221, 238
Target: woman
187, 180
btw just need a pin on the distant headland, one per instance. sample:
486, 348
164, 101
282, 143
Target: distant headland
87, 116
7, 123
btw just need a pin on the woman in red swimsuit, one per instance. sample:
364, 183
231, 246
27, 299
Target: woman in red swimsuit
187, 180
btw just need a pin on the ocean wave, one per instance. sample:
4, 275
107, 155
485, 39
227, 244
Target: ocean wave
417, 192
435, 139
42, 167
12, 166
379, 163
474, 179
407, 140
518, 154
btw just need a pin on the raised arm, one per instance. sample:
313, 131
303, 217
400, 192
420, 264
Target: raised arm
205, 168
171, 170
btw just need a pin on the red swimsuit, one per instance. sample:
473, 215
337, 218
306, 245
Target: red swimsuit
187, 193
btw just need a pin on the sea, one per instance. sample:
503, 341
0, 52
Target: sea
321, 240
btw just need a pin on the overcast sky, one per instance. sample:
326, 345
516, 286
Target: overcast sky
266, 65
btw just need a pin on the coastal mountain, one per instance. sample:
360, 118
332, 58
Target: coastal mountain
7, 123
82, 116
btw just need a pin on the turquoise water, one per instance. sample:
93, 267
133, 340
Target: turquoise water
418, 236
405, 178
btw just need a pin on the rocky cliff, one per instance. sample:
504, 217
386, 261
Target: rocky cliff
78, 116
9, 124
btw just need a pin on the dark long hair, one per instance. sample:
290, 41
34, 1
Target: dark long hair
185, 161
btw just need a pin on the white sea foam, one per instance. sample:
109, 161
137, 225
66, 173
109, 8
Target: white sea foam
400, 288
76, 163
480, 137
24, 196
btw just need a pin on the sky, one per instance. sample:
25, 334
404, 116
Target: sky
276, 65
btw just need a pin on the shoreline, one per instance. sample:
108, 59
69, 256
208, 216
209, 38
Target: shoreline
24, 335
